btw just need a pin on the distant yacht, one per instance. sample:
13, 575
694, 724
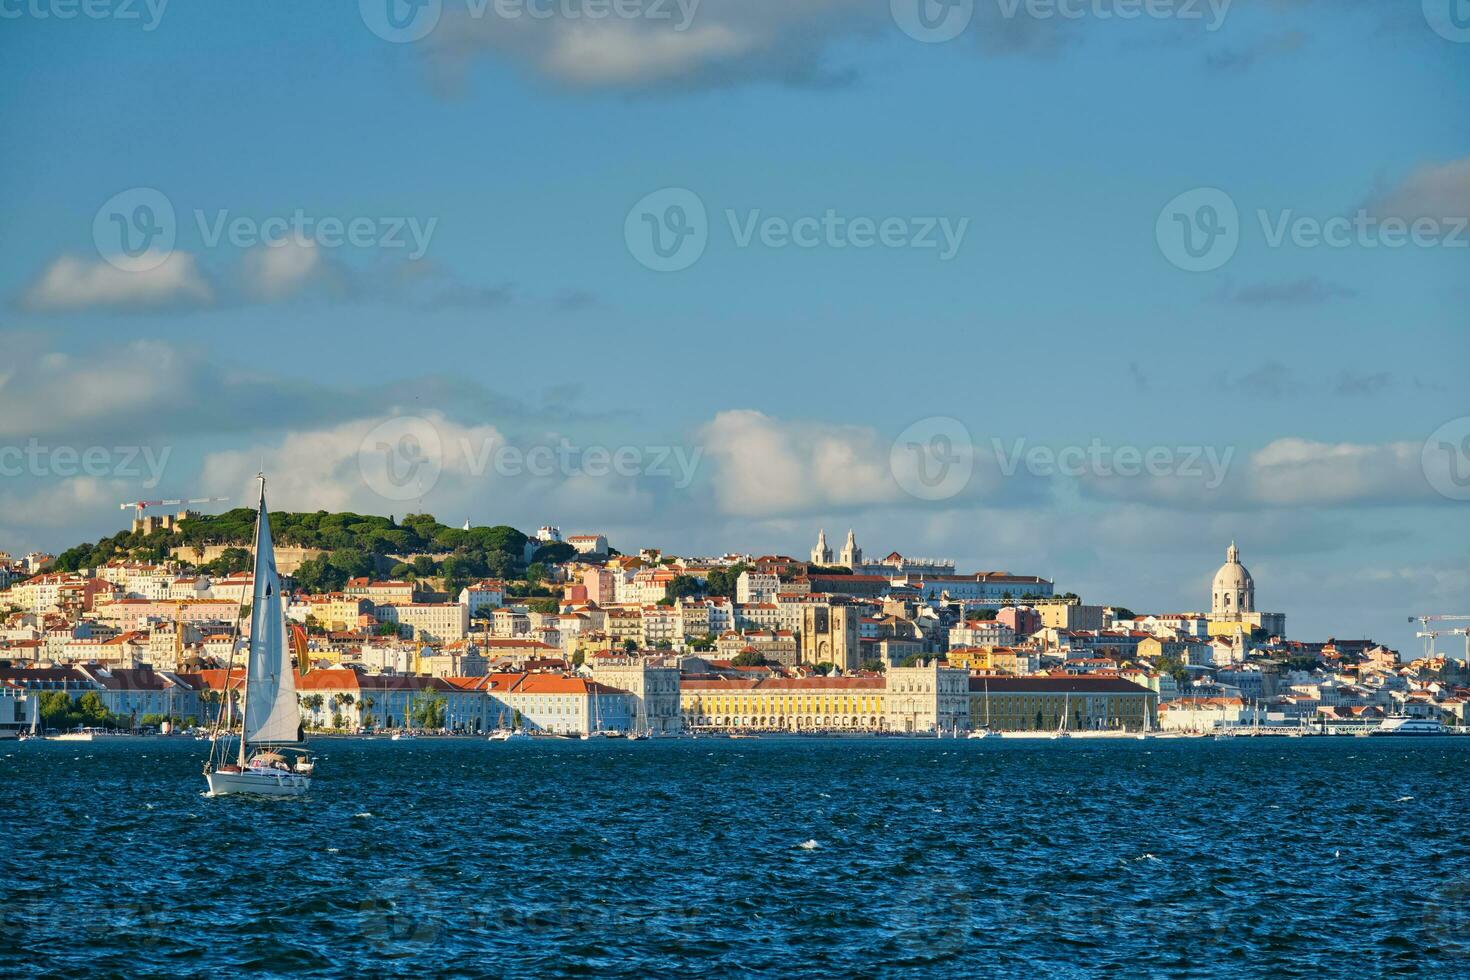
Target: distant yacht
987, 731
267, 764
1061, 731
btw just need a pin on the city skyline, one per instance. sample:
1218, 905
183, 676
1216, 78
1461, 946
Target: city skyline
1031, 291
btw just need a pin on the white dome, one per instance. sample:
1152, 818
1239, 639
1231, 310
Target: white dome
1233, 591
1233, 577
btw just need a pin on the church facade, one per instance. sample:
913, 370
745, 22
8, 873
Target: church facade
1233, 602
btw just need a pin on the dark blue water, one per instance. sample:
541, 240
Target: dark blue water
1282, 857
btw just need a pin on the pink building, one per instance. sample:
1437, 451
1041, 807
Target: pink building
1023, 620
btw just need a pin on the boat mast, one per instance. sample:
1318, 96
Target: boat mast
254, 581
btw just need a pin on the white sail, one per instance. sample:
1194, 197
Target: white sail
271, 714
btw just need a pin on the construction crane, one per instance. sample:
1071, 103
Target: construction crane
140, 505
1430, 635
1465, 632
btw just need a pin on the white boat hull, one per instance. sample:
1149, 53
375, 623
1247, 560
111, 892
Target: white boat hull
258, 783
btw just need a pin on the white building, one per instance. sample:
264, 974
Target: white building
756, 587
443, 622
981, 633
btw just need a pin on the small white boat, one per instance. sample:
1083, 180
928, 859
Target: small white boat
90, 735
266, 774
984, 733
271, 717
399, 736
509, 735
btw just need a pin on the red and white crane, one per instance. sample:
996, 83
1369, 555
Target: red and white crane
140, 505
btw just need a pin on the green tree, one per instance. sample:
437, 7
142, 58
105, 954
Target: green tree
722, 581
748, 658
554, 553
681, 586
1173, 666
912, 660
230, 562
429, 710
874, 666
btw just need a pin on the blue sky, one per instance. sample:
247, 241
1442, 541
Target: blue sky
789, 371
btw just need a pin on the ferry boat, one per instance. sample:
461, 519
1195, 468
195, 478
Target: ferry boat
1402, 726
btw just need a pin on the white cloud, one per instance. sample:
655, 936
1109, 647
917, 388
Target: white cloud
593, 53
316, 469
279, 270
1431, 190
1299, 472
69, 283
57, 503
766, 467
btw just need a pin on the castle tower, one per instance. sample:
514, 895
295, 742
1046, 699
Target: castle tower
852, 555
821, 554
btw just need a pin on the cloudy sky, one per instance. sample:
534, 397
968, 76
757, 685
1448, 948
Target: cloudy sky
1037, 286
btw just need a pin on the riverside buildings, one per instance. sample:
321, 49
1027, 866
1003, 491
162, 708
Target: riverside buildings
660, 643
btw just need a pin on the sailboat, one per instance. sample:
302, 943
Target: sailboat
987, 731
271, 720
596, 730
1061, 731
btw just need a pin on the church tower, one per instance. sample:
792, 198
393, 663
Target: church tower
821, 554
852, 555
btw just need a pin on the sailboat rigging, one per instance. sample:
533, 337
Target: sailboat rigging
270, 719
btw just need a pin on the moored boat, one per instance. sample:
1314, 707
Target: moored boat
1402, 726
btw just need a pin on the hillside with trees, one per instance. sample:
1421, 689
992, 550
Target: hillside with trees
418, 546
